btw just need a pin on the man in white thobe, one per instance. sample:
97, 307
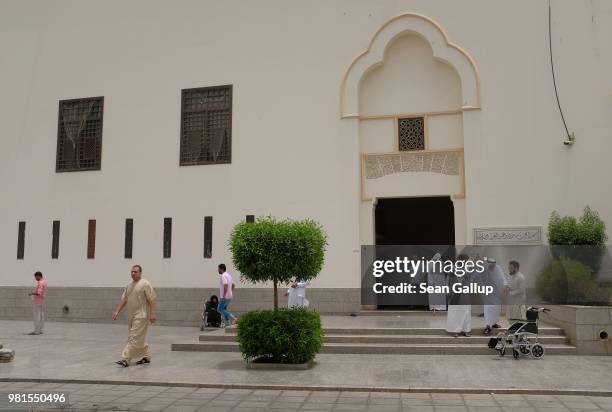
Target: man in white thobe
493, 276
459, 315
139, 299
436, 278
297, 294
517, 293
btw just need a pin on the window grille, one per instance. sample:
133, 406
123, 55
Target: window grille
411, 133
206, 125
79, 135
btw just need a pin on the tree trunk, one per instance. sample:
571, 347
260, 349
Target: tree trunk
275, 296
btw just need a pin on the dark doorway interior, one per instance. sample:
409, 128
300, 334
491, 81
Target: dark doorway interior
415, 221
418, 221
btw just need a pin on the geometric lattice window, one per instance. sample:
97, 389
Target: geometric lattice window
411, 133
206, 125
79, 135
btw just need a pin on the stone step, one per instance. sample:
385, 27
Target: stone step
377, 348
396, 339
543, 331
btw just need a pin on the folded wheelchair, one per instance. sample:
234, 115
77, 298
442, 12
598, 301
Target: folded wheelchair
521, 337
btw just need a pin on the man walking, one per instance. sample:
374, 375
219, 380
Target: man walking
38, 300
139, 298
226, 292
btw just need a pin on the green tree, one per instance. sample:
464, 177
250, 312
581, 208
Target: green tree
278, 251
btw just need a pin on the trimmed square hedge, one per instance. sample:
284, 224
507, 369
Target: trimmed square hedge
283, 336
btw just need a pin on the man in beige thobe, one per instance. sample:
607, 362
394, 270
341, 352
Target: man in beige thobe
139, 299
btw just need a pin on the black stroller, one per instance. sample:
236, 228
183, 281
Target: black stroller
521, 337
211, 316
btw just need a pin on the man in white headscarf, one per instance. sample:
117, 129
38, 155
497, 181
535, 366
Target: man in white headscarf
436, 278
493, 276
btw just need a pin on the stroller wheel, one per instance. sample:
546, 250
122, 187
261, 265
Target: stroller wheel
502, 351
537, 351
515, 354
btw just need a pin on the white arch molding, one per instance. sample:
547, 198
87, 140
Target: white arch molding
443, 50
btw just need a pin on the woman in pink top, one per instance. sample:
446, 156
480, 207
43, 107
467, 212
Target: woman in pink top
38, 300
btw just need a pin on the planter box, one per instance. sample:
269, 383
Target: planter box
280, 366
589, 328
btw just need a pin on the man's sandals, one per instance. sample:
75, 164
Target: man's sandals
143, 361
125, 363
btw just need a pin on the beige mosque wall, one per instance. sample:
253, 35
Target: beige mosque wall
297, 136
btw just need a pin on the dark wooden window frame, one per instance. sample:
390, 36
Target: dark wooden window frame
182, 162
91, 239
21, 240
59, 168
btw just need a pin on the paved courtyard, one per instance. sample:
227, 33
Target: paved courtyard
85, 353
83, 397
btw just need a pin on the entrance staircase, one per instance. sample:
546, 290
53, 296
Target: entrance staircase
388, 341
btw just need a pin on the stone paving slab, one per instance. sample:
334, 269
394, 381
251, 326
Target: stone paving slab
85, 353
167, 398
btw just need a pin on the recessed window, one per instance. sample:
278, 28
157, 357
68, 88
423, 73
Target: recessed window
79, 135
21, 240
208, 226
206, 126
55, 237
250, 218
411, 133
91, 239
167, 237
129, 234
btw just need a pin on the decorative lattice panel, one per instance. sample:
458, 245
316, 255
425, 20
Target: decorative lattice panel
411, 133
444, 162
79, 136
206, 125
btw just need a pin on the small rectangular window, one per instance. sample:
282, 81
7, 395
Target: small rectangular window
21, 240
250, 218
55, 239
208, 226
411, 133
167, 237
129, 233
91, 239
